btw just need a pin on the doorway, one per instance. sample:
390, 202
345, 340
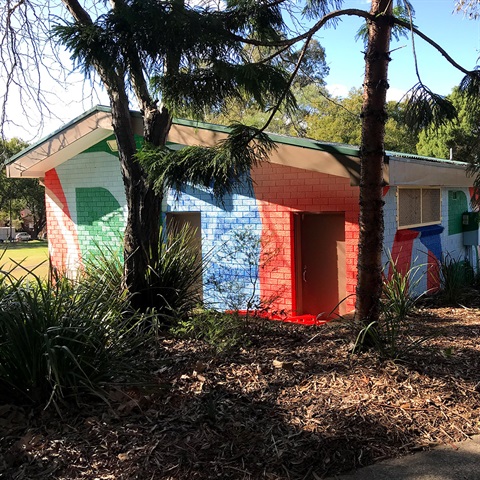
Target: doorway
175, 221
320, 262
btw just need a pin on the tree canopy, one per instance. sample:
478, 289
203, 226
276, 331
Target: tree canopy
20, 194
458, 138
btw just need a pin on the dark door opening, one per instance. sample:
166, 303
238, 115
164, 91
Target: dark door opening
177, 220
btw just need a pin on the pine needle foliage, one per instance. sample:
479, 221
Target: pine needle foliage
425, 108
198, 89
470, 86
224, 168
193, 56
319, 8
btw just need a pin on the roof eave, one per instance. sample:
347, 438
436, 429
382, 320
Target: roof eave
70, 140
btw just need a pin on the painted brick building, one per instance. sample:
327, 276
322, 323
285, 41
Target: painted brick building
300, 208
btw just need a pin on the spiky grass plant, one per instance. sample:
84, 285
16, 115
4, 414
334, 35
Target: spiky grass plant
60, 342
389, 336
174, 281
455, 275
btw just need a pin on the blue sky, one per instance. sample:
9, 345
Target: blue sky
459, 36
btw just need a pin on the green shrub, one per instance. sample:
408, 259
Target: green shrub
221, 331
174, 280
389, 336
455, 275
59, 342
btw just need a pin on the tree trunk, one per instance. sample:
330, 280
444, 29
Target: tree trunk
144, 215
374, 116
144, 206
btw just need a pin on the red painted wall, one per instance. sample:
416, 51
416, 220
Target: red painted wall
281, 191
62, 233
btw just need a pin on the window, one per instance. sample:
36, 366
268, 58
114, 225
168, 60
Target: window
418, 206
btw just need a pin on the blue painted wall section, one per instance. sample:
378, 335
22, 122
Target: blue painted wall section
220, 223
430, 237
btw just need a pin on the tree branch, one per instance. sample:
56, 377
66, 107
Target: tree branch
309, 33
289, 84
432, 43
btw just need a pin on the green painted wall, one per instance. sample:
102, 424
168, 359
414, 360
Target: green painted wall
100, 220
103, 146
457, 204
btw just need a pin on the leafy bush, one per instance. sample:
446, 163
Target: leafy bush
389, 336
59, 341
221, 331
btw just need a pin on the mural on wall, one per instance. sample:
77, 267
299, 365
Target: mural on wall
62, 233
408, 244
249, 238
100, 220
231, 234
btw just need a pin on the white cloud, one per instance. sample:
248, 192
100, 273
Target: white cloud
395, 94
338, 90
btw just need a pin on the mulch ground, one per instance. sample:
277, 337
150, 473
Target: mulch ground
293, 403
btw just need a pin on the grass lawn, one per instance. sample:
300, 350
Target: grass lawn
29, 254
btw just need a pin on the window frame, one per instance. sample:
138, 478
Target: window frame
422, 224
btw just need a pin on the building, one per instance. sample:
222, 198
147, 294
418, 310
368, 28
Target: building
301, 206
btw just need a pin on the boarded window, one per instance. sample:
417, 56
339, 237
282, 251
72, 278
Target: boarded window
418, 206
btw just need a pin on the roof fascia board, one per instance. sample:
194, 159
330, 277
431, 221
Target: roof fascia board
332, 163
72, 139
282, 139
404, 171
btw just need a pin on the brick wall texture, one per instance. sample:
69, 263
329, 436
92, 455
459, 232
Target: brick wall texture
248, 237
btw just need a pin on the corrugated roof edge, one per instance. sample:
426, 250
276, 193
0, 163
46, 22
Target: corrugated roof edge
294, 141
411, 156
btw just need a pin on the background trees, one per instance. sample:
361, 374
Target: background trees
17, 195
459, 138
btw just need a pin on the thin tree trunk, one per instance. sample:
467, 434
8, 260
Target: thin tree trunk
374, 116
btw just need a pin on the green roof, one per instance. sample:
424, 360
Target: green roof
334, 148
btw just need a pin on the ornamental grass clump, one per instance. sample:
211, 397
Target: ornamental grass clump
390, 335
455, 275
60, 342
174, 281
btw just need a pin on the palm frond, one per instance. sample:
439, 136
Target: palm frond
427, 109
